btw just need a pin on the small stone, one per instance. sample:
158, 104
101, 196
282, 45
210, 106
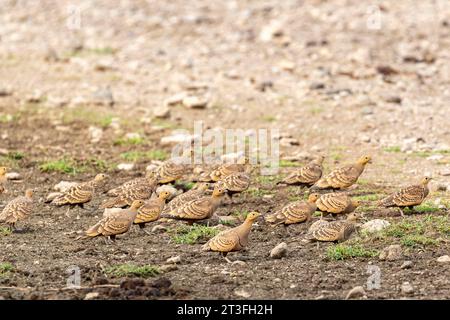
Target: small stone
172, 190
176, 139
176, 259
103, 96
287, 65
242, 293
64, 185
445, 172
13, 176
91, 296
391, 253
168, 267
393, 99
239, 263
435, 157
317, 86
279, 251
270, 31
133, 136
161, 112
355, 293
104, 65
288, 142
95, 134
443, 259
407, 288
442, 187
36, 97
4, 92
125, 166
175, 99
4, 152
375, 225
406, 265
159, 228
195, 102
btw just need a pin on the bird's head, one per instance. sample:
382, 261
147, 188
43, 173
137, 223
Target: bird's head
100, 177
163, 195
313, 197
252, 216
365, 160
3, 171
137, 204
29, 193
319, 159
354, 216
219, 190
426, 180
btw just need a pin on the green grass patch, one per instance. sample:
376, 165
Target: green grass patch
392, 149
288, 164
257, 192
127, 270
4, 231
87, 115
64, 165
426, 207
367, 197
129, 141
316, 110
193, 234
5, 269
144, 155
418, 240
343, 252
269, 118
15, 155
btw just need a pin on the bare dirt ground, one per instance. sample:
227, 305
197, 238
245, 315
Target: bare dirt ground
339, 78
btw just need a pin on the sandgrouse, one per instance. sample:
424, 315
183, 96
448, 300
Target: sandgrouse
198, 209
151, 210
295, 212
343, 177
236, 183
193, 194
335, 231
233, 239
115, 223
3, 179
17, 210
336, 203
408, 197
307, 175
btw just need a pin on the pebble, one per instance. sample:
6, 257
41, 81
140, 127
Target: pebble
4, 152
242, 293
103, 96
36, 97
391, 253
228, 220
270, 31
407, 288
194, 102
176, 259
125, 166
13, 176
279, 251
95, 134
175, 99
406, 265
239, 263
91, 296
375, 225
168, 267
176, 139
161, 112
4, 92
443, 259
287, 142
355, 293
444, 172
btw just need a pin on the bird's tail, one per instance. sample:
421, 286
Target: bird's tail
60, 201
386, 202
113, 203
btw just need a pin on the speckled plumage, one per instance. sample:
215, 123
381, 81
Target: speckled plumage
305, 176
295, 212
18, 209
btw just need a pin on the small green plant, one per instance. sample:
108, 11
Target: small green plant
392, 149
316, 110
417, 240
141, 155
342, 252
64, 165
5, 269
426, 207
133, 141
257, 192
15, 155
126, 270
4, 231
188, 185
367, 197
269, 118
287, 164
193, 234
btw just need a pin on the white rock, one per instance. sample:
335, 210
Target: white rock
375, 225
435, 157
279, 251
13, 176
64, 185
95, 134
176, 139
242, 293
151, 167
176, 259
195, 102
173, 191
3, 152
407, 288
355, 292
287, 142
125, 166
175, 99
270, 31
443, 259
132, 136
161, 112
91, 295
445, 172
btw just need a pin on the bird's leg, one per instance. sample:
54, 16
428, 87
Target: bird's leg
142, 228
224, 255
401, 212
67, 212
